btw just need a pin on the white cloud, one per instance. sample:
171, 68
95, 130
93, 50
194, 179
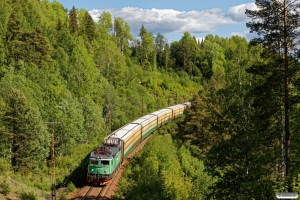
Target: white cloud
246, 34
200, 39
169, 20
237, 13
239, 34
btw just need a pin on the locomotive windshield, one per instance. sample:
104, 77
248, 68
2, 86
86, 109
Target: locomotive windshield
94, 162
104, 162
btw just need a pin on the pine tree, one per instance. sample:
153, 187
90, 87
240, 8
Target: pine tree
89, 26
188, 51
13, 35
73, 21
277, 24
159, 47
29, 141
197, 126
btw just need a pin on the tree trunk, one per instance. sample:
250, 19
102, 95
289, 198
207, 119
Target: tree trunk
286, 94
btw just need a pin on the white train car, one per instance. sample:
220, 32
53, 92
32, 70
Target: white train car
148, 124
177, 110
163, 116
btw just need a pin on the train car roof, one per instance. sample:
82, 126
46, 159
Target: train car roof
161, 112
124, 131
143, 119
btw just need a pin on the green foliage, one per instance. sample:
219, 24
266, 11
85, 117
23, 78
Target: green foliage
73, 20
122, 35
28, 196
104, 26
156, 173
71, 187
145, 49
111, 63
63, 196
88, 26
4, 163
27, 134
195, 170
4, 188
71, 131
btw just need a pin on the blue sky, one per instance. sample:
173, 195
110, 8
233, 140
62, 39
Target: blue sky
173, 17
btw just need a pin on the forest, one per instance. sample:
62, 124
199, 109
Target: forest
62, 72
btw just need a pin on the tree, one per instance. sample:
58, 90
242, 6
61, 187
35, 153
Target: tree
81, 72
166, 56
277, 25
13, 36
122, 35
35, 48
212, 57
197, 126
28, 46
73, 21
176, 55
188, 52
159, 47
29, 140
146, 48
4, 16
104, 26
4, 134
88, 26
110, 62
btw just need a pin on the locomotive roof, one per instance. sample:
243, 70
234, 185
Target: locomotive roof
113, 150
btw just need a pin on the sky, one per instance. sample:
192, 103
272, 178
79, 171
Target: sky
172, 18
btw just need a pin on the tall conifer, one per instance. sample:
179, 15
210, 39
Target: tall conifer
277, 24
73, 20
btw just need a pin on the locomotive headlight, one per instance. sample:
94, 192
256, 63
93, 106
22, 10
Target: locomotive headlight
105, 171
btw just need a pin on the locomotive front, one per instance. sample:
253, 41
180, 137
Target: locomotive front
103, 163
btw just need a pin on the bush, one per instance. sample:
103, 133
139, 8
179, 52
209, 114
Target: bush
4, 188
63, 197
71, 187
28, 196
4, 165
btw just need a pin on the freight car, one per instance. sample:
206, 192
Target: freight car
107, 158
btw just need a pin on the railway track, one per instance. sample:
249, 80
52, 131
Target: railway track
89, 193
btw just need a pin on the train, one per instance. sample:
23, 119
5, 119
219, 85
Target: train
103, 162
